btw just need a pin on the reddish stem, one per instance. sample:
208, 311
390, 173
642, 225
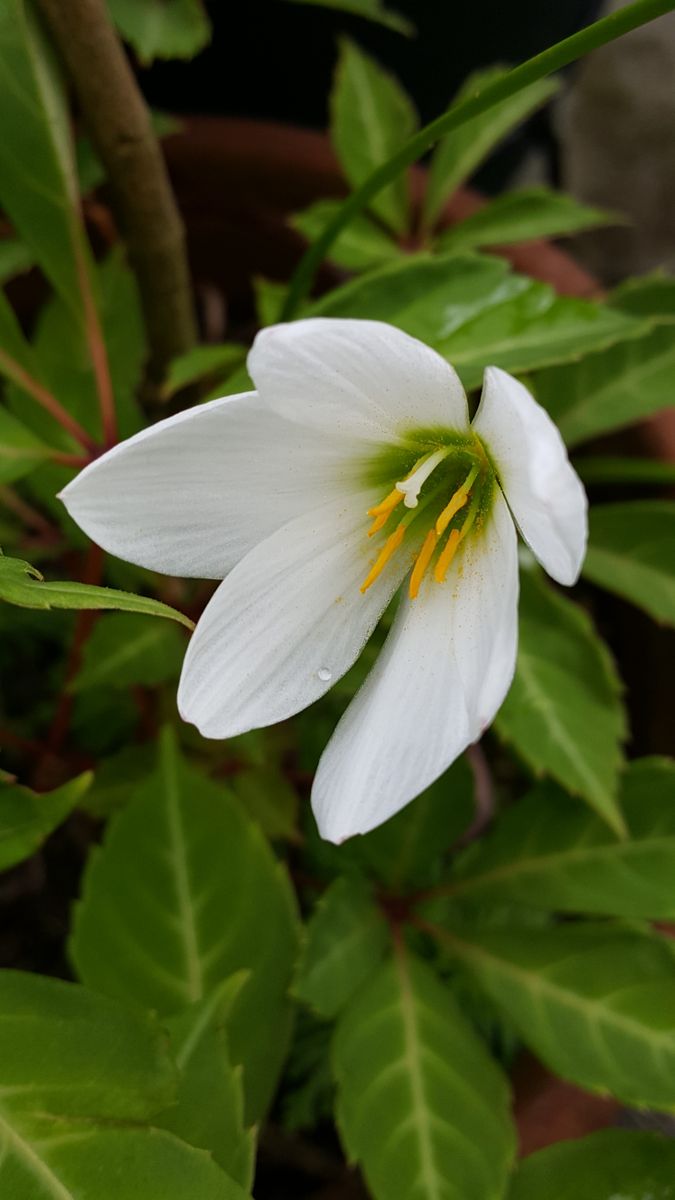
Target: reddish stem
46, 400
97, 351
26, 513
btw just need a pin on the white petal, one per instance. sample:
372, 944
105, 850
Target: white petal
362, 378
192, 494
442, 674
542, 488
287, 622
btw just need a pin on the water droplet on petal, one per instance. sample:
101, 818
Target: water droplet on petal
324, 674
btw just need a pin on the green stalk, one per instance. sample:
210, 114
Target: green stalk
546, 63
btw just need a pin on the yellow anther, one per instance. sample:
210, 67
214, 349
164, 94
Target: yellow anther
390, 546
458, 501
378, 523
423, 559
446, 556
387, 505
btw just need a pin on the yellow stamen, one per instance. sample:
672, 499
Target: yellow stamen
423, 559
458, 501
390, 546
378, 523
446, 556
387, 505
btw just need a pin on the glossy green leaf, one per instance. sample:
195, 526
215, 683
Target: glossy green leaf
184, 893
162, 28
15, 258
596, 1003
631, 552
27, 818
80, 1077
548, 851
361, 246
460, 152
612, 469
523, 215
202, 362
22, 584
209, 1108
475, 311
346, 939
421, 1105
563, 714
371, 117
372, 10
20, 450
126, 649
610, 1165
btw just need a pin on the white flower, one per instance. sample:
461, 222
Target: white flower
352, 466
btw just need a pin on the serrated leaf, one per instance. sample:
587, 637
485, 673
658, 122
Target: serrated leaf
371, 117
209, 1107
162, 28
613, 1164
563, 713
22, 584
201, 363
27, 818
521, 216
474, 311
345, 941
596, 1003
81, 1075
421, 1106
460, 152
631, 551
359, 247
548, 851
125, 649
372, 10
184, 893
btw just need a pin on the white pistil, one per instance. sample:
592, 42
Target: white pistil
411, 486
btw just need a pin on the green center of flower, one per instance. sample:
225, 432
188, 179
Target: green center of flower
446, 493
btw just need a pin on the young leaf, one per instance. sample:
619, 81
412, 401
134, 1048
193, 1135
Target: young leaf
520, 216
460, 152
474, 310
126, 649
210, 1102
27, 818
550, 852
22, 584
81, 1074
371, 10
183, 893
631, 551
360, 247
613, 1164
162, 28
564, 714
421, 1105
596, 1003
371, 116
346, 938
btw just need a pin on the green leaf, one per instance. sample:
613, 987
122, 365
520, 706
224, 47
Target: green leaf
209, 1109
22, 584
116, 779
610, 469
80, 1075
268, 797
610, 1165
125, 649
421, 1106
346, 939
361, 246
631, 552
611, 389
15, 258
550, 852
38, 180
371, 10
596, 1003
564, 714
371, 117
649, 296
20, 450
184, 893
201, 363
27, 818
523, 215
474, 311
162, 28
460, 152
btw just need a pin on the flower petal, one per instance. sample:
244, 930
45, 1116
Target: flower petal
287, 622
191, 495
542, 488
444, 671
350, 377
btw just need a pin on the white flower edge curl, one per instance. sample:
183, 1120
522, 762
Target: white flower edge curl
279, 493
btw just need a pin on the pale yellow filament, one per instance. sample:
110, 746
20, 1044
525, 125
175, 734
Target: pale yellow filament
446, 556
390, 546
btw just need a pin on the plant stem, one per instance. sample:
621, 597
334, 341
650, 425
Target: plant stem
546, 63
119, 124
